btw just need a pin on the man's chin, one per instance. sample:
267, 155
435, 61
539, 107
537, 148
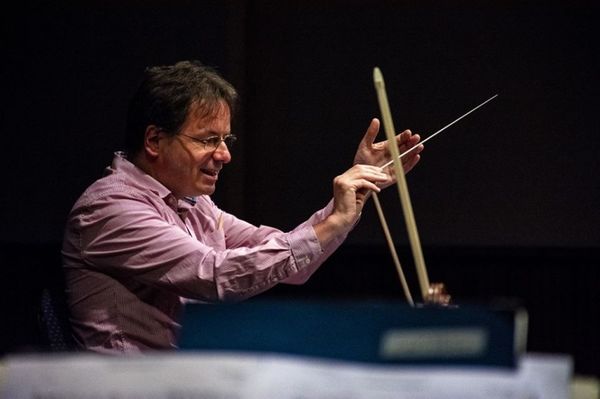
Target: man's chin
205, 190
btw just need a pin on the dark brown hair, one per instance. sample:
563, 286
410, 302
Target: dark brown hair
166, 94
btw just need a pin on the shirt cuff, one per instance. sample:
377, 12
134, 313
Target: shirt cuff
305, 247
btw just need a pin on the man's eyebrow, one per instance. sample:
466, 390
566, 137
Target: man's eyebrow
211, 133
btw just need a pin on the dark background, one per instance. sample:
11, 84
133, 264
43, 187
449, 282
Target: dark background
506, 201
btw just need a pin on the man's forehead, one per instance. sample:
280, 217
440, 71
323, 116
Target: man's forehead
213, 117
208, 110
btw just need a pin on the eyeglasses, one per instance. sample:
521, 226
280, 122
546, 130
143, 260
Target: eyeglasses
212, 143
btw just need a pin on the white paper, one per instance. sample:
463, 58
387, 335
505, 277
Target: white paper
206, 375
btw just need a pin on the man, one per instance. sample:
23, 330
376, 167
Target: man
146, 236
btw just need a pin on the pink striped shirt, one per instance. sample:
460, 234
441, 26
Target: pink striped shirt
133, 254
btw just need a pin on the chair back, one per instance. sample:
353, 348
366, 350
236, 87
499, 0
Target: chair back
54, 321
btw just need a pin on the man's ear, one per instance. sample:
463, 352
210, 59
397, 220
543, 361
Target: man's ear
152, 137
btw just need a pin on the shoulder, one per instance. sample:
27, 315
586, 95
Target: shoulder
116, 195
109, 186
204, 201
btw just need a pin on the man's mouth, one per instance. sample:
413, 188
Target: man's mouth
210, 172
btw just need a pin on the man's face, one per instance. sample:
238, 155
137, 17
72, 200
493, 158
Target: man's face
186, 166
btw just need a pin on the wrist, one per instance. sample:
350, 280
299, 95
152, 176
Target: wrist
331, 227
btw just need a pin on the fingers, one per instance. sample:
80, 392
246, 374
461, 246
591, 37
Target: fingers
352, 188
410, 162
371, 133
404, 136
378, 153
361, 177
367, 174
414, 151
406, 140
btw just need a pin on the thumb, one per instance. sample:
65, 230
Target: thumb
371, 133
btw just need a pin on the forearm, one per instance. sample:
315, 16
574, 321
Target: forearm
329, 230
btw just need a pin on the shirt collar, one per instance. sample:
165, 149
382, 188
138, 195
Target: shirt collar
184, 205
142, 179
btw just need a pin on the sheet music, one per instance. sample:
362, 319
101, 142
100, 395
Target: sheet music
253, 376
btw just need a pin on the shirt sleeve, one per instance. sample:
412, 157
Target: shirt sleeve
305, 250
126, 237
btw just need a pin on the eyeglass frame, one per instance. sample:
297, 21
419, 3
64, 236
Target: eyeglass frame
228, 139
